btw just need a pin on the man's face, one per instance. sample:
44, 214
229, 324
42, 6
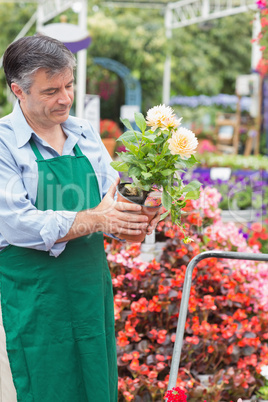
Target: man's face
49, 100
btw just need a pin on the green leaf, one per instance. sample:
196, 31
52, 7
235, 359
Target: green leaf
145, 149
167, 172
131, 147
192, 186
151, 137
127, 124
159, 139
134, 171
140, 121
143, 166
166, 200
130, 136
190, 162
206, 239
119, 166
164, 215
146, 187
192, 195
146, 175
178, 169
151, 156
128, 158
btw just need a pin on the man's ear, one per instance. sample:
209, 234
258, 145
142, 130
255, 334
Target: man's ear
17, 91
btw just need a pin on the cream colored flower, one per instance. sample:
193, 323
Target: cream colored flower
183, 142
187, 240
162, 117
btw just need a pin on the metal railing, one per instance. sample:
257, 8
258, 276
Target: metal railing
185, 300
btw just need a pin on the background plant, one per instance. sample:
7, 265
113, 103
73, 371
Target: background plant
226, 330
263, 390
244, 189
262, 38
136, 38
109, 129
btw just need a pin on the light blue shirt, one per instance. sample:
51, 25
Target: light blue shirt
21, 224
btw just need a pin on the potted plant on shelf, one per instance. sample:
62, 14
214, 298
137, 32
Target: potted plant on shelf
110, 132
154, 159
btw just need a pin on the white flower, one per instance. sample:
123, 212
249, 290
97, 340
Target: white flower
183, 142
187, 240
162, 117
264, 372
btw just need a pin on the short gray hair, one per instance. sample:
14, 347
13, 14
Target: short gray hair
27, 55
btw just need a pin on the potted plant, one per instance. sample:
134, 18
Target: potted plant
154, 159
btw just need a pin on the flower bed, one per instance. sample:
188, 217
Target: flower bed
245, 190
259, 162
226, 333
262, 37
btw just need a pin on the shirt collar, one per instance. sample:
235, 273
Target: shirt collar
23, 131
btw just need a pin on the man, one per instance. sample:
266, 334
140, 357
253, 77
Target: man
57, 193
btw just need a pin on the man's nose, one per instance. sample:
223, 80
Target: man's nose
64, 97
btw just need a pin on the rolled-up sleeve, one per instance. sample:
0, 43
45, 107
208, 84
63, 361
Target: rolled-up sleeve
21, 223
56, 228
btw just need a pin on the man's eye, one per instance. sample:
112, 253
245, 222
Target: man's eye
51, 93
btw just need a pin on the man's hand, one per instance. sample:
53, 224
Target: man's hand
108, 217
113, 219
154, 222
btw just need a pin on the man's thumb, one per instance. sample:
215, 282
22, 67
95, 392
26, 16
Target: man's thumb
112, 189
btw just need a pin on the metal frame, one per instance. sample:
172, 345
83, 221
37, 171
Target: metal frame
132, 85
48, 9
187, 12
185, 299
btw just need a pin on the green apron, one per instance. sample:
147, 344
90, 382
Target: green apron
58, 312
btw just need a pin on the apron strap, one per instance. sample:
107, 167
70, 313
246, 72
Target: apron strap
77, 150
35, 149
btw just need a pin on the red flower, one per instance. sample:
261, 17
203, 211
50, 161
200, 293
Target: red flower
192, 339
134, 365
210, 349
109, 129
140, 306
153, 304
230, 349
176, 395
161, 336
122, 339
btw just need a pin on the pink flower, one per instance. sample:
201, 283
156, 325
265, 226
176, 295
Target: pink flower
261, 4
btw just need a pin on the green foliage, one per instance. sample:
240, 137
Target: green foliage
263, 392
207, 61
204, 61
13, 17
258, 162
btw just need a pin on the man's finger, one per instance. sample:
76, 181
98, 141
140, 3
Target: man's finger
132, 217
128, 206
112, 188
